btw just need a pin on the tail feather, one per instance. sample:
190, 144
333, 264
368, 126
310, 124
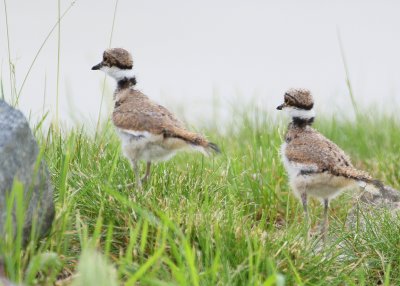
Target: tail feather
196, 141
379, 184
380, 192
365, 180
214, 147
373, 185
207, 148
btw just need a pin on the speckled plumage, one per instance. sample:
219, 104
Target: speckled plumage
300, 98
315, 165
135, 111
307, 146
148, 131
308, 154
117, 57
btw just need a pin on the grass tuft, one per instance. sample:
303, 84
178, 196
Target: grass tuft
225, 220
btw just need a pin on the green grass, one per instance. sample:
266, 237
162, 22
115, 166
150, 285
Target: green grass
226, 220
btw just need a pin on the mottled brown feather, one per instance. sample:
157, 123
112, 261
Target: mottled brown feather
299, 97
307, 146
117, 57
135, 111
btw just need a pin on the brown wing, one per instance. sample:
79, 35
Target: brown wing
311, 147
135, 111
171, 117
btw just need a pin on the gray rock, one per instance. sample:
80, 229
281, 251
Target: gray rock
18, 158
386, 200
387, 197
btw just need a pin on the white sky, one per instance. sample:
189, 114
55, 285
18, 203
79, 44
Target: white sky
188, 54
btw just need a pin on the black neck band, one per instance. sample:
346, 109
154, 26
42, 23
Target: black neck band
126, 82
302, 122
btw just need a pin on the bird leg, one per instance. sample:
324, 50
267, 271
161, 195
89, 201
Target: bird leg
147, 175
306, 219
325, 222
304, 202
137, 175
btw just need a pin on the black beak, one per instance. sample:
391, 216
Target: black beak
97, 67
280, 107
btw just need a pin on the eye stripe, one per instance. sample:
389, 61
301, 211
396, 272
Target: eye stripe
291, 100
291, 97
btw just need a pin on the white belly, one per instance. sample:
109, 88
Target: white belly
293, 168
145, 146
320, 185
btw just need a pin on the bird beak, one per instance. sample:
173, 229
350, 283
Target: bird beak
97, 67
280, 107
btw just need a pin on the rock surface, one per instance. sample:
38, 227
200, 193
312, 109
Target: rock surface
18, 158
387, 199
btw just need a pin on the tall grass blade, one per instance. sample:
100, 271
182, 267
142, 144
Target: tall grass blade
40, 123
1, 87
93, 269
104, 79
43, 269
346, 69
12, 234
149, 262
10, 65
41, 47
387, 275
58, 60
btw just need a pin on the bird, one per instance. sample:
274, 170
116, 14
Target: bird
148, 131
315, 165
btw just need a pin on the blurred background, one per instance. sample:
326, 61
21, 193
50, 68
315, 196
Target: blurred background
201, 58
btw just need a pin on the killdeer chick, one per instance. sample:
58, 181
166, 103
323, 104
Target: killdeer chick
315, 165
148, 131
